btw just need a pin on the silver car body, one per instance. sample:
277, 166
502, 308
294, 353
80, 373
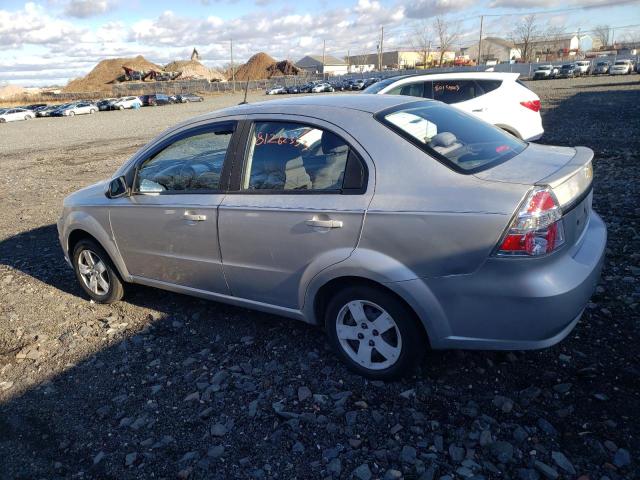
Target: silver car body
420, 229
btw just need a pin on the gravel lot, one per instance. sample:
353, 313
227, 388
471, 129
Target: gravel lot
164, 386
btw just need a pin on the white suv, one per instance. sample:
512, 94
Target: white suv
498, 98
127, 102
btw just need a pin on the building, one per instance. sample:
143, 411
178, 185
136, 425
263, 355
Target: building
494, 49
397, 59
314, 65
561, 47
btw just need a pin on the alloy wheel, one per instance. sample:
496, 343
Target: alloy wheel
93, 272
368, 334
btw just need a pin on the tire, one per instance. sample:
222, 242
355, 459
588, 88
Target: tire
26, 117
2, 120
121, 107
114, 290
403, 337
92, 111
72, 113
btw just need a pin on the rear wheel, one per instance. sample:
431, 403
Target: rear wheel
26, 117
72, 113
2, 120
96, 273
374, 333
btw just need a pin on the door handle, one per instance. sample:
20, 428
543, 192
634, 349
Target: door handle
192, 217
479, 110
324, 223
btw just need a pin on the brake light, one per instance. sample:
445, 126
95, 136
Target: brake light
532, 105
537, 228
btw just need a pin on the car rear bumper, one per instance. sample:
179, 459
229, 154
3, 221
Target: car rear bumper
517, 304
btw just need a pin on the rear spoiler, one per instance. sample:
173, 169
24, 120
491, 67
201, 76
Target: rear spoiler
571, 182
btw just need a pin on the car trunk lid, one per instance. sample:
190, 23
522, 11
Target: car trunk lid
567, 171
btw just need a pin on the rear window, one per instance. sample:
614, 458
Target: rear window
457, 139
376, 87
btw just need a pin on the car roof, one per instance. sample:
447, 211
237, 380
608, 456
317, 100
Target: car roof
445, 75
363, 102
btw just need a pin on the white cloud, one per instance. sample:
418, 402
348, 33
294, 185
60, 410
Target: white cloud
87, 8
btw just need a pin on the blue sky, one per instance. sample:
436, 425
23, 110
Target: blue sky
46, 42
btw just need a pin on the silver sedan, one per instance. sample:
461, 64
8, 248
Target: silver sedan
395, 223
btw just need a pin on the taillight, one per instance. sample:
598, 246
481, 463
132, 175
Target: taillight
537, 228
532, 105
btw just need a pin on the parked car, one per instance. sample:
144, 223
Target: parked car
189, 97
47, 111
584, 67
72, 109
427, 228
601, 68
156, 99
306, 88
126, 102
358, 84
567, 70
497, 98
322, 87
277, 90
15, 114
545, 72
105, 104
621, 67
293, 89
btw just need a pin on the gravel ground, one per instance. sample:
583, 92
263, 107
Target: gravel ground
164, 386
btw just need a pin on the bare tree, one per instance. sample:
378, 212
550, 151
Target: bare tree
446, 34
553, 35
524, 35
603, 33
422, 40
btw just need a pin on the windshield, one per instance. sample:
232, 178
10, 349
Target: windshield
621, 62
376, 87
451, 136
544, 67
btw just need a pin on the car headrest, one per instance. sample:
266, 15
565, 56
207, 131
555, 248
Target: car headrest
331, 143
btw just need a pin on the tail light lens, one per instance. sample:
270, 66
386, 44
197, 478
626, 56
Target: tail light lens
537, 229
532, 105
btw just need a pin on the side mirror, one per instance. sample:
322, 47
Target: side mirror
117, 188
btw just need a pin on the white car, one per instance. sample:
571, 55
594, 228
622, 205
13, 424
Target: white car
621, 67
322, 87
545, 72
80, 108
584, 67
498, 98
277, 90
127, 102
15, 114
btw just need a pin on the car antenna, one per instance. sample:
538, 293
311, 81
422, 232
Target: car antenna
246, 89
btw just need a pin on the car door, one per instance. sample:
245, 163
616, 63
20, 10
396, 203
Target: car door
295, 206
166, 230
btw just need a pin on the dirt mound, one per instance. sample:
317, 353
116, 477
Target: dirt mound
10, 91
193, 69
106, 72
255, 68
284, 67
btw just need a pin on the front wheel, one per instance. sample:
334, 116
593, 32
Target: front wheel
121, 107
374, 332
95, 272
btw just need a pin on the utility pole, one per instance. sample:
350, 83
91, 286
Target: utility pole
324, 49
233, 70
480, 41
348, 62
381, 48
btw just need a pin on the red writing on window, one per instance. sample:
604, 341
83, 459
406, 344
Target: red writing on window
449, 87
270, 138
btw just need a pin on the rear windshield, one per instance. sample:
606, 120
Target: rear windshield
621, 62
455, 138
